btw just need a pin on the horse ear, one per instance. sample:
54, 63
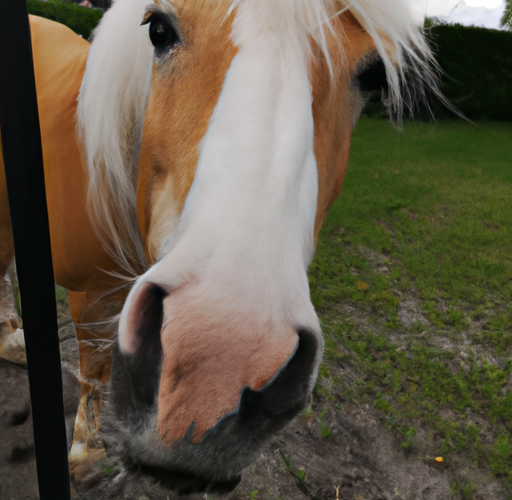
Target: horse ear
111, 107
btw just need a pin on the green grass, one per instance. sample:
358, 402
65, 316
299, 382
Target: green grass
61, 295
413, 283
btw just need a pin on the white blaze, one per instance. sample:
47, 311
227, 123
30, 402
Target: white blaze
247, 228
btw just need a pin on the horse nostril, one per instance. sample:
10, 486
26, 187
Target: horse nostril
285, 395
144, 318
136, 374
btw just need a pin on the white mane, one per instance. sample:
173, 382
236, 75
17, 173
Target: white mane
117, 82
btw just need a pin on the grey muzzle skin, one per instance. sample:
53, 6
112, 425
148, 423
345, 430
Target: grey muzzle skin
214, 464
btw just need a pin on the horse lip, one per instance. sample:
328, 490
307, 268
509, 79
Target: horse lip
185, 482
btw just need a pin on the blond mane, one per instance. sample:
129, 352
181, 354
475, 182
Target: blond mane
117, 82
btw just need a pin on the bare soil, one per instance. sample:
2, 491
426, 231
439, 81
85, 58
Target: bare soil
359, 459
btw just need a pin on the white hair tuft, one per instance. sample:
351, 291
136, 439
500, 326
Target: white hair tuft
111, 107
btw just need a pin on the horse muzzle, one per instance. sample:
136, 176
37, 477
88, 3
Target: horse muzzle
193, 413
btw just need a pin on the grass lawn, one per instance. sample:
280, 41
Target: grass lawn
413, 284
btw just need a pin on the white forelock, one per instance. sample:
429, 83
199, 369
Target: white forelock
111, 107
117, 83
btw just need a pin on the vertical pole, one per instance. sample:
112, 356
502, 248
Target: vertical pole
21, 142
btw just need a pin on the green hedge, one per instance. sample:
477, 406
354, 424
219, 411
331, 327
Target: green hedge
81, 20
476, 62
476, 77
477, 66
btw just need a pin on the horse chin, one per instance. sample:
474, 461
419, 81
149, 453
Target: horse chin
213, 465
187, 484
215, 461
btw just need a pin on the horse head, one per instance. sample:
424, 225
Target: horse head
217, 134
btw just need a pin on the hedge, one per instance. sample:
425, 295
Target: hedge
476, 62
477, 69
81, 20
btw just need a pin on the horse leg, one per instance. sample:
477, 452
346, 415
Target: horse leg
12, 344
93, 314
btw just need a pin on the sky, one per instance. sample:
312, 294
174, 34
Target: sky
470, 12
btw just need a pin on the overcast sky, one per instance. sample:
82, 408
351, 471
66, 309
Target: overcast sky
471, 12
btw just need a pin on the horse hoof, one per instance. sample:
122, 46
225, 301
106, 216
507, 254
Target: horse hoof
12, 347
85, 467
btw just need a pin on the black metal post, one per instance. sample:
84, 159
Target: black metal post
21, 141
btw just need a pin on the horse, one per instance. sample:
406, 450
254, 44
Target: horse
191, 152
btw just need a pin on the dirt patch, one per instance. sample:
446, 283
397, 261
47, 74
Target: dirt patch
347, 454
17, 461
359, 459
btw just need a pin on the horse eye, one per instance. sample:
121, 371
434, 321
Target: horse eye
162, 34
373, 77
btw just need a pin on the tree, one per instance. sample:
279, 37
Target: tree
506, 19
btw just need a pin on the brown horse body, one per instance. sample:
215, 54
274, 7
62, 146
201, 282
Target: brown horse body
218, 344
80, 262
